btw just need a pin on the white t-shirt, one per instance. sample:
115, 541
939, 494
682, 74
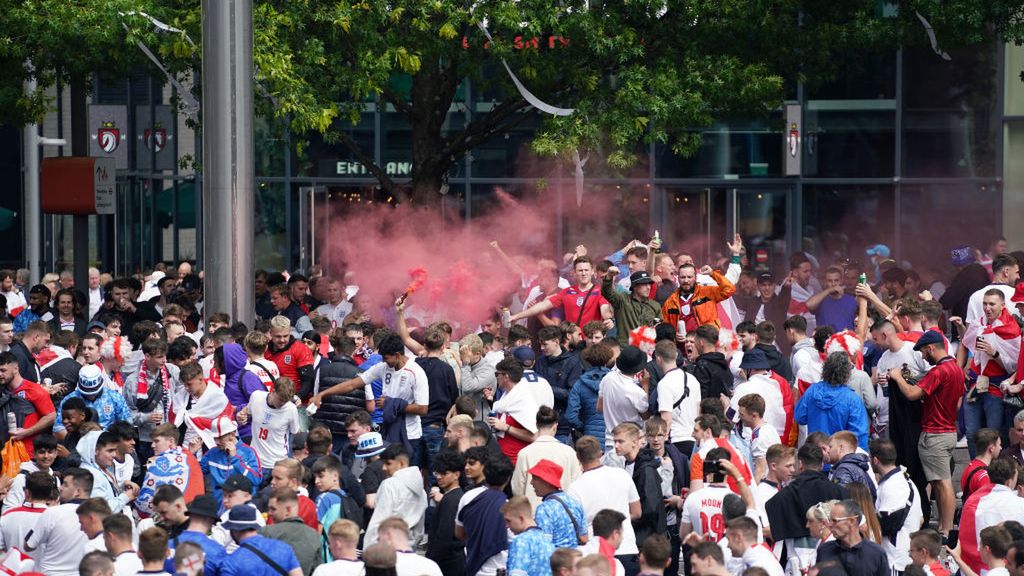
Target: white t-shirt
95, 544
15, 302
336, 314
16, 493
127, 563
340, 568
762, 558
893, 493
265, 370
612, 489
767, 388
409, 384
999, 505
271, 428
16, 523
593, 547
889, 360
412, 564
673, 386
702, 510
975, 312
623, 401
539, 388
762, 439
58, 541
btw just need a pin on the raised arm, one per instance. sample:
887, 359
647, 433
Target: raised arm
403, 330
538, 308
512, 264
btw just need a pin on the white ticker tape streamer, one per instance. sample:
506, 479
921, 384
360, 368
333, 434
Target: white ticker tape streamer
159, 24
189, 104
526, 94
931, 37
580, 163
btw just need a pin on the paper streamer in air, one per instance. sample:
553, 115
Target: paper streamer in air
189, 104
931, 37
580, 163
526, 94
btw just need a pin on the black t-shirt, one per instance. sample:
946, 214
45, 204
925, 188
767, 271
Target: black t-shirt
443, 389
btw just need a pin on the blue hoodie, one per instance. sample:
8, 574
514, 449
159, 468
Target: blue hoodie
853, 468
829, 409
239, 383
582, 412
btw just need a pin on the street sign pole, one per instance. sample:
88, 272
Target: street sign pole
228, 158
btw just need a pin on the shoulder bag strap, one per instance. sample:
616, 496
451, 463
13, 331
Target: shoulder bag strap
266, 559
583, 308
575, 525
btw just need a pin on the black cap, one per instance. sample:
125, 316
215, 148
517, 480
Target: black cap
631, 360
929, 337
205, 506
192, 282
312, 335
236, 482
639, 279
765, 277
40, 289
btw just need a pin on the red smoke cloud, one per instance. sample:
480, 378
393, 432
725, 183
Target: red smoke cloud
456, 275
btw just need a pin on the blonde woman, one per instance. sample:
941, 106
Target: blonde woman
804, 556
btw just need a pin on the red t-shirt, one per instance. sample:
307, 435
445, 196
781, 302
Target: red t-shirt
307, 511
697, 464
571, 300
979, 479
291, 359
42, 403
943, 387
510, 445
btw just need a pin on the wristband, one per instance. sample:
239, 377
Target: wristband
735, 258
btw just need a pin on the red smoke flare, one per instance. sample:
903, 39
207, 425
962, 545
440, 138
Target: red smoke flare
419, 278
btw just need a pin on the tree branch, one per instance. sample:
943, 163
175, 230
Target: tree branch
467, 138
400, 104
385, 181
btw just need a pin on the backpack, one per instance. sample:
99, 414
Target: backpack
348, 509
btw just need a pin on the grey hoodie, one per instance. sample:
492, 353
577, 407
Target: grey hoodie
803, 352
400, 495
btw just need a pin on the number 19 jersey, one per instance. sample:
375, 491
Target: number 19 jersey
703, 511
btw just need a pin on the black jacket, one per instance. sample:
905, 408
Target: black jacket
80, 324
775, 310
27, 365
561, 372
443, 547
967, 281
443, 389
336, 409
780, 364
787, 510
712, 371
652, 504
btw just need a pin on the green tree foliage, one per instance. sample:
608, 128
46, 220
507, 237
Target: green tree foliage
634, 70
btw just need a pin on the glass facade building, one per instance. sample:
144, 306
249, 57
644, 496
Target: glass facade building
904, 149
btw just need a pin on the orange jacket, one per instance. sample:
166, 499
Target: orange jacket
707, 312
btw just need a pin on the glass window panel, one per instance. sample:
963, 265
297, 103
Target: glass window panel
936, 218
1014, 97
695, 218
608, 217
271, 241
846, 220
951, 116
739, 148
861, 75
761, 221
849, 143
